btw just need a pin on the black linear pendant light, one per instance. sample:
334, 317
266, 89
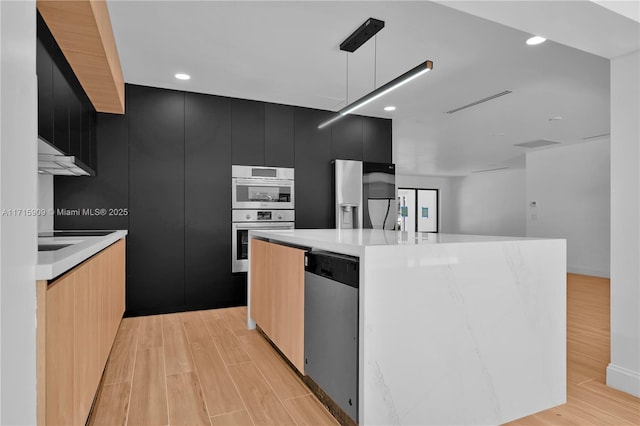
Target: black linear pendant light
353, 42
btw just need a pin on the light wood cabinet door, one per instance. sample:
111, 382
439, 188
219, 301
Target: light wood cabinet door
277, 296
59, 352
286, 276
88, 357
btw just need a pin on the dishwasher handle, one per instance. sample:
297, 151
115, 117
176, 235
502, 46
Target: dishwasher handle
325, 269
336, 267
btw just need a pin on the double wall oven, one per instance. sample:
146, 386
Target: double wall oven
263, 198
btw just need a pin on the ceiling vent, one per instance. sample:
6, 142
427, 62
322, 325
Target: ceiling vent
488, 98
596, 136
537, 143
490, 170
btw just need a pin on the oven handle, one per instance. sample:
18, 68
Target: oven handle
275, 225
262, 182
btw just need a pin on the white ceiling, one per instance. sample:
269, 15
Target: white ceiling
287, 52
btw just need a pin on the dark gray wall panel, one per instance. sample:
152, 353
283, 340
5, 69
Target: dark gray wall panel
109, 189
278, 136
346, 138
314, 205
156, 221
377, 134
247, 132
208, 202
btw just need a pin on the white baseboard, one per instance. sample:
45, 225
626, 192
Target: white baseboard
586, 271
623, 379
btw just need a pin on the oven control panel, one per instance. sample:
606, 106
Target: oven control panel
257, 215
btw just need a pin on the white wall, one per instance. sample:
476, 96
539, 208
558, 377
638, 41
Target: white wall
571, 188
490, 203
443, 184
18, 188
624, 370
45, 202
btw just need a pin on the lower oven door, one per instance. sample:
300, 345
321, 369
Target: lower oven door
240, 241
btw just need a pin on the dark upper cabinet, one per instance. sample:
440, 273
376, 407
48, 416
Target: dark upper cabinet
346, 138
278, 135
207, 237
156, 198
247, 132
93, 141
75, 126
44, 70
66, 116
88, 141
61, 94
376, 140
313, 196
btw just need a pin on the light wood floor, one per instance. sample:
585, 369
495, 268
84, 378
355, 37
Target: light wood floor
206, 368
200, 368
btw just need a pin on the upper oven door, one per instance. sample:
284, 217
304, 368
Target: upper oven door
262, 193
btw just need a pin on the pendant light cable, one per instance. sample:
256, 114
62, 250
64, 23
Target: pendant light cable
346, 100
375, 61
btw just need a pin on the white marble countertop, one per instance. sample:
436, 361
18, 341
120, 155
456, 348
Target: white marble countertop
489, 313
353, 241
54, 263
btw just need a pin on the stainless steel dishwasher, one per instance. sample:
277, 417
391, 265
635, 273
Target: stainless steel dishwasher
331, 284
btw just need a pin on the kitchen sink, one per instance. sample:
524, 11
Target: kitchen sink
52, 247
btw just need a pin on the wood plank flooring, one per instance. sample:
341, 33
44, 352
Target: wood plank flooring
206, 368
201, 368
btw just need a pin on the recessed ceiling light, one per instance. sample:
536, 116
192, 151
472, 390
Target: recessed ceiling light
390, 108
182, 76
556, 118
536, 40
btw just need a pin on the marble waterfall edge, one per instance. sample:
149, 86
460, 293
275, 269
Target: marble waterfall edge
456, 334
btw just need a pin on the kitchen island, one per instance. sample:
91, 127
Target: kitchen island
453, 329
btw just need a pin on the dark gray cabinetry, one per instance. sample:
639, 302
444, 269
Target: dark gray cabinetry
208, 203
314, 205
75, 125
66, 117
156, 212
376, 139
168, 162
44, 70
247, 132
109, 189
278, 136
61, 95
346, 138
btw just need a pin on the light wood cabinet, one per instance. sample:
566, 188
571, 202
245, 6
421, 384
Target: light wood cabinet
277, 296
78, 318
60, 356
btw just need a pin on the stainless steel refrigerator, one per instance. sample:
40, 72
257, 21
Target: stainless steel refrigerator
364, 195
